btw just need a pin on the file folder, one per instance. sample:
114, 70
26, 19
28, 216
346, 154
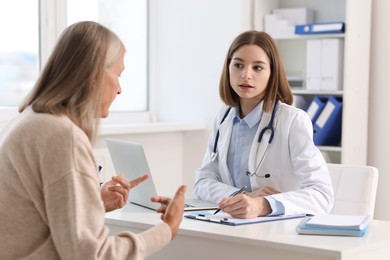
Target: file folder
318, 28
332, 53
327, 127
315, 107
313, 64
324, 64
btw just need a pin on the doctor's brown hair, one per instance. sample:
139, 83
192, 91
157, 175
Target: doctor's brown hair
277, 87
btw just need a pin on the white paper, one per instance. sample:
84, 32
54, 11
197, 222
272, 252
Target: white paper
339, 221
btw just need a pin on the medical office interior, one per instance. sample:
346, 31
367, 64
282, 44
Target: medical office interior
191, 40
188, 43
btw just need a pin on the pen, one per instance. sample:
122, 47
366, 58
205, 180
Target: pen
100, 168
240, 191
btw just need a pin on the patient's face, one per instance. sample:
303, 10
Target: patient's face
111, 85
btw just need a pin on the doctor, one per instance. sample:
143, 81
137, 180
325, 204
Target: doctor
260, 141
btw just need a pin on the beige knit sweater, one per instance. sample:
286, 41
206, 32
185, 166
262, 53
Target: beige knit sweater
50, 204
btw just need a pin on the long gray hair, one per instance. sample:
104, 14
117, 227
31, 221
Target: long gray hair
71, 82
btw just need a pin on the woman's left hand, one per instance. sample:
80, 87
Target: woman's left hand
115, 192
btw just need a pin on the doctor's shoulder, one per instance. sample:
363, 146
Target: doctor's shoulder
294, 112
288, 113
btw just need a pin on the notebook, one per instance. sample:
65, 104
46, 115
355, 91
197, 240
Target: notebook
129, 158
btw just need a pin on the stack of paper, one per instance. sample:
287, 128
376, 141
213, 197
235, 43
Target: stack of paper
334, 225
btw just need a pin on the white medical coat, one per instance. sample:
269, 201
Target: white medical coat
297, 168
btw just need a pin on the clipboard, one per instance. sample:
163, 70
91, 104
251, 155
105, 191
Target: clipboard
226, 219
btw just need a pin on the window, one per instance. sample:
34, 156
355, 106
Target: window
19, 49
28, 32
128, 19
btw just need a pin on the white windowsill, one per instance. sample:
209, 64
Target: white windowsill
149, 127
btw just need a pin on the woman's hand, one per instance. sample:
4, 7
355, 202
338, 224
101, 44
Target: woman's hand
243, 206
115, 192
249, 205
172, 210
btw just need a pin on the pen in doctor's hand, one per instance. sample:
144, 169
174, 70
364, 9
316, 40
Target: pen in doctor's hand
240, 191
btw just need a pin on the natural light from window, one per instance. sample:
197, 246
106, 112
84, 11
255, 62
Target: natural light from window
19, 50
19, 47
128, 19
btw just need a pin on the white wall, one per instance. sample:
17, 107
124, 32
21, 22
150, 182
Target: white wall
193, 37
379, 125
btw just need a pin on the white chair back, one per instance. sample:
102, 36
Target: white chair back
355, 189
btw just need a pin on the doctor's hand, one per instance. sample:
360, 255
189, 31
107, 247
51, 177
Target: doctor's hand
243, 206
265, 191
172, 209
115, 192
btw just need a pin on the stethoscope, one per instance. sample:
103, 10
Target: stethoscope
269, 128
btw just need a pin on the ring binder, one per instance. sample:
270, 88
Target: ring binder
315, 107
318, 28
327, 127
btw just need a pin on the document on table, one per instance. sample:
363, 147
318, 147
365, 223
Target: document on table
226, 219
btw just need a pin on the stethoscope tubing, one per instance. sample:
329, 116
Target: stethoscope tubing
269, 127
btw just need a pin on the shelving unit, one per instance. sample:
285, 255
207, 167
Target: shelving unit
293, 52
354, 90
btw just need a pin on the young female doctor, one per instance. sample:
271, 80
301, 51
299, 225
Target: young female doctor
260, 141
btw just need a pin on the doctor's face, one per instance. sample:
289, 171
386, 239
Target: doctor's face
249, 72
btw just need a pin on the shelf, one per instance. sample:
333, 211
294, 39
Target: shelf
318, 92
355, 78
330, 148
311, 36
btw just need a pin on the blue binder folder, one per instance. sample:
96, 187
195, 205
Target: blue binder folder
315, 107
327, 127
318, 28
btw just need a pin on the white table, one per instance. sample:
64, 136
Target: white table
272, 240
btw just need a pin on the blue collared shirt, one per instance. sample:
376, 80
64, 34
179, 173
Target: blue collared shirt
243, 133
